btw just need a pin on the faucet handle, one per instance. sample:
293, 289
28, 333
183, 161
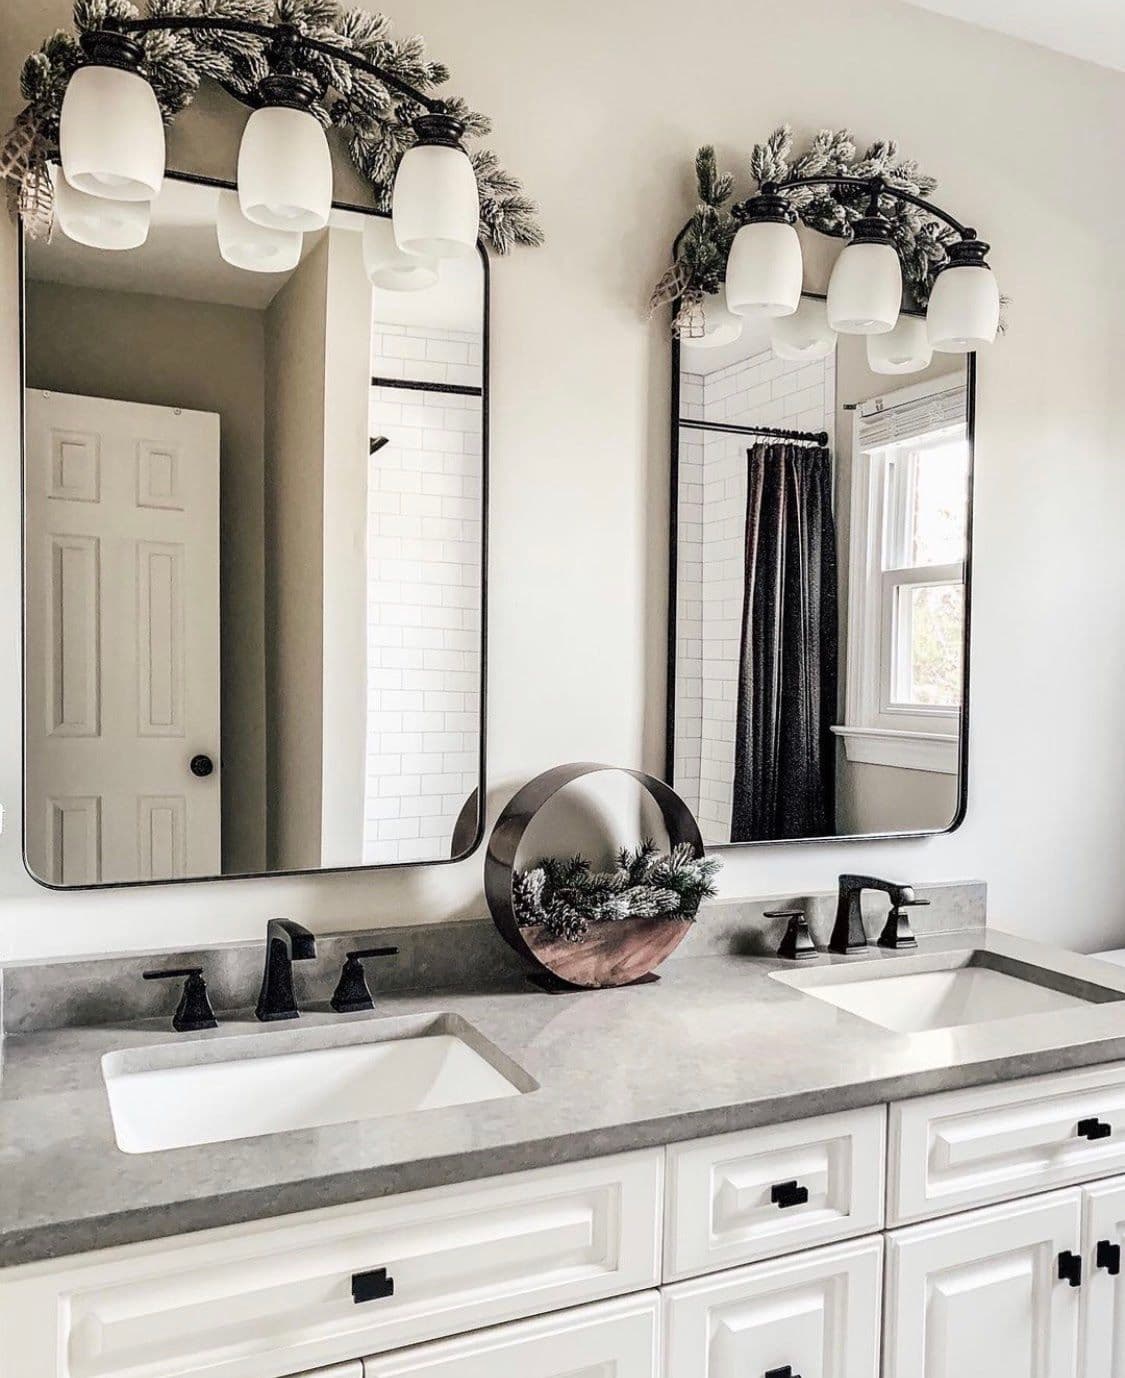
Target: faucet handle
351, 993
194, 1011
897, 932
797, 944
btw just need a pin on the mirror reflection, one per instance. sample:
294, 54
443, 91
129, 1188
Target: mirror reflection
253, 490
819, 653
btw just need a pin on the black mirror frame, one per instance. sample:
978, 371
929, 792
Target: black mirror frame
670, 700
466, 838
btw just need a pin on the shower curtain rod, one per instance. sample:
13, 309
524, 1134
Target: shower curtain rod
770, 432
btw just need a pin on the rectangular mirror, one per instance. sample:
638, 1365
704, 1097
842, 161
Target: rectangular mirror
254, 507
818, 649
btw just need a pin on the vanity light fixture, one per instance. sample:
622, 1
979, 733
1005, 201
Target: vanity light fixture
97, 221
435, 206
805, 335
765, 269
964, 310
905, 349
111, 135
284, 166
386, 264
865, 289
243, 244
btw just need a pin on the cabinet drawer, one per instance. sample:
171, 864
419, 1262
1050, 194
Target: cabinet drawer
990, 1143
816, 1315
276, 1297
614, 1339
727, 1201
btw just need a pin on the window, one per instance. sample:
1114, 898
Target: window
906, 593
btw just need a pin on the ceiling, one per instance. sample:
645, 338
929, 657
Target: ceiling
1089, 29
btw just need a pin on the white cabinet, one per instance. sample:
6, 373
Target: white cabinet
614, 1339
980, 1295
278, 1297
737, 1198
815, 1314
1103, 1287
991, 1143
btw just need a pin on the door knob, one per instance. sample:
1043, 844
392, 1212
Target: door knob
202, 766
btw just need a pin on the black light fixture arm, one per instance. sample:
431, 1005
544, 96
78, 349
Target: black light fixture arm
877, 186
286, 33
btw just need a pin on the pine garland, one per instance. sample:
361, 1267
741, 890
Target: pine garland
377, 122
701, 258
565, 897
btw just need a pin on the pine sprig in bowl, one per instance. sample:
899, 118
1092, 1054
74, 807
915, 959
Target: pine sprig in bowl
565, 897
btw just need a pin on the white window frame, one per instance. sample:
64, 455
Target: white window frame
876, 730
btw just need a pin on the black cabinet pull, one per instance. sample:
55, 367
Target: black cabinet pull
1108, 1256
1094, 1128
1070, 1268
201, 766
785, 1194
786, 1372
372, 1285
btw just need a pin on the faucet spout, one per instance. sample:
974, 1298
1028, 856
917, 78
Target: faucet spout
286, 942
848, 933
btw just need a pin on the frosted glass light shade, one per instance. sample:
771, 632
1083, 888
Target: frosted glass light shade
865, 290
765, 270
253, 247
98, 221
720, 326
905, 349
111, 136
964, 310
386, 264
435, 206
285, 170
805, 335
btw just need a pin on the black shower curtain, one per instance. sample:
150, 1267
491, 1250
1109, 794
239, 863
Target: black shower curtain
784, 765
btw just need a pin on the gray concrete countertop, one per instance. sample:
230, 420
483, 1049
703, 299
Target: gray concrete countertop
715, 1046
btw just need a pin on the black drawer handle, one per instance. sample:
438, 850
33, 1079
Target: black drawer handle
1094, 1128
1108, 1257
786, 1372
788, 1194
371, 1286
1070, 1268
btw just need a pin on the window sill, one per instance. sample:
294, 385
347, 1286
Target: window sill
883, 746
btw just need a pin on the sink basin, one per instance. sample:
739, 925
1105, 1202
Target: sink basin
944, 991
266, 1083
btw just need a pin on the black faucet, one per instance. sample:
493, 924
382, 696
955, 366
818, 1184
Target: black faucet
286, 942
848, 934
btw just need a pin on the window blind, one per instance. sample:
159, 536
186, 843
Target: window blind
885, 421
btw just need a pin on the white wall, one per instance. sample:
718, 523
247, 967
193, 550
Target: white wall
601, 111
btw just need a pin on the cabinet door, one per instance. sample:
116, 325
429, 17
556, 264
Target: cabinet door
615, 1339
979, 1295
814, 1314
1103, 1292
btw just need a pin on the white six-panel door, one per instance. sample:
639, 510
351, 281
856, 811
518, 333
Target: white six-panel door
122, 644
980, 1296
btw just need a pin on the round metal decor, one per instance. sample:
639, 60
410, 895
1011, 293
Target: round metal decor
611, 954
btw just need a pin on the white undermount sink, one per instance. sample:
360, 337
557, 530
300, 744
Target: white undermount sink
944, 990
266, 1083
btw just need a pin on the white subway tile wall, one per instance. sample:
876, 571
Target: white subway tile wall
424, 587
758, 391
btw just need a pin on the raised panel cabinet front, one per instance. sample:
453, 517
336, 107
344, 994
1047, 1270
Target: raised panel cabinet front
983, 1295
280, 1296
992, 1143
736, 1198
814, 1315
1103, 1290
614, 1339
